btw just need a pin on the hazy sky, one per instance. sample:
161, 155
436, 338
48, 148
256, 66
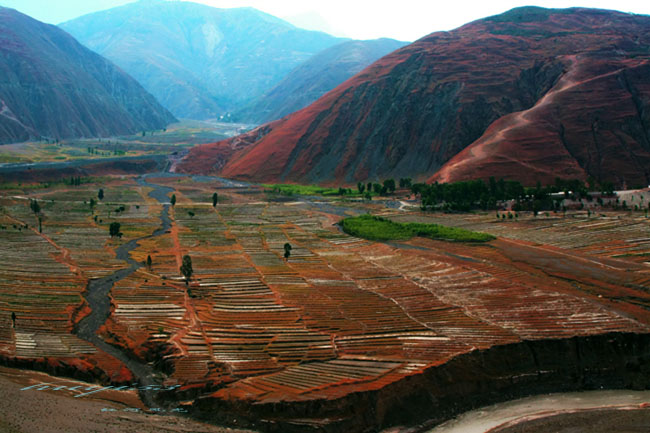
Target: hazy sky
405, 20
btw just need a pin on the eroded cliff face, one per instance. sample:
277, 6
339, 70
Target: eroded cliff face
526, 94
478, 378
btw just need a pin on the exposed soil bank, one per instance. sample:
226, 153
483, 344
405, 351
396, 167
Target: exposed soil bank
479, 378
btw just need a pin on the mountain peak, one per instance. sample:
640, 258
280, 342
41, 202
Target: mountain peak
199, 61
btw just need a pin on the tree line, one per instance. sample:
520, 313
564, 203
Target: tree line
478, 194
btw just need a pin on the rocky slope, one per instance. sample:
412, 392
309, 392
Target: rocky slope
54, 87
317, 76
200, 62
532, 94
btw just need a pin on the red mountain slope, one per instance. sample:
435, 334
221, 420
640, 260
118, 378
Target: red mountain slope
530, 94
590, 123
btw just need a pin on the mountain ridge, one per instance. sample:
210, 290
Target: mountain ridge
199, 61
54, 87
315, 77
415, 109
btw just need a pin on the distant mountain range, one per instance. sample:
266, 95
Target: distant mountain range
315, 77
200, 62
531, 94
52, 86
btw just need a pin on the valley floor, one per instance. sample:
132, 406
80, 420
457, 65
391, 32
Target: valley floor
340, 336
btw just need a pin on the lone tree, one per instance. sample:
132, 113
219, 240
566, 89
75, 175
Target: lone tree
287, 250
173, 200
186, 268
361, 187
34, 206
215, 199
100, 194
149, 262
114, 229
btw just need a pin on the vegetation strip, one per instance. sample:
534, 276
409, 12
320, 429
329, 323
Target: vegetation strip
381, 229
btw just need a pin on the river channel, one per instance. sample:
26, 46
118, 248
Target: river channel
97, 292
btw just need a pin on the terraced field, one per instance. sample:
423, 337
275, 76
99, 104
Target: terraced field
310, 341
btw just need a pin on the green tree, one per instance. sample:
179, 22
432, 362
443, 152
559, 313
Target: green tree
114, 229
100, 194
149, 262
287, 250
389, 184
173, 200
405, 182
92, 203
215, 199
186, 268
35, 207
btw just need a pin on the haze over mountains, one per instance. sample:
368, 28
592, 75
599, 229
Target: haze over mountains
531, 94
54, 87
315, 77
200, 62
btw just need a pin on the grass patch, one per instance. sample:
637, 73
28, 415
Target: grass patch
290, 189
380, 229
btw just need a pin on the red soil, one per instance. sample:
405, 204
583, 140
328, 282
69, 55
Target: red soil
492, 87
534, 145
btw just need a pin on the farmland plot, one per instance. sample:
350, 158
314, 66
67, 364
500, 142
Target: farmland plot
338, 316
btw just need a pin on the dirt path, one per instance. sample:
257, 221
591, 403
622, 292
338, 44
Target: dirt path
482, 147
190, 310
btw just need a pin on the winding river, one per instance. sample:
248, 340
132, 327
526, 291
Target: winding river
97, 291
